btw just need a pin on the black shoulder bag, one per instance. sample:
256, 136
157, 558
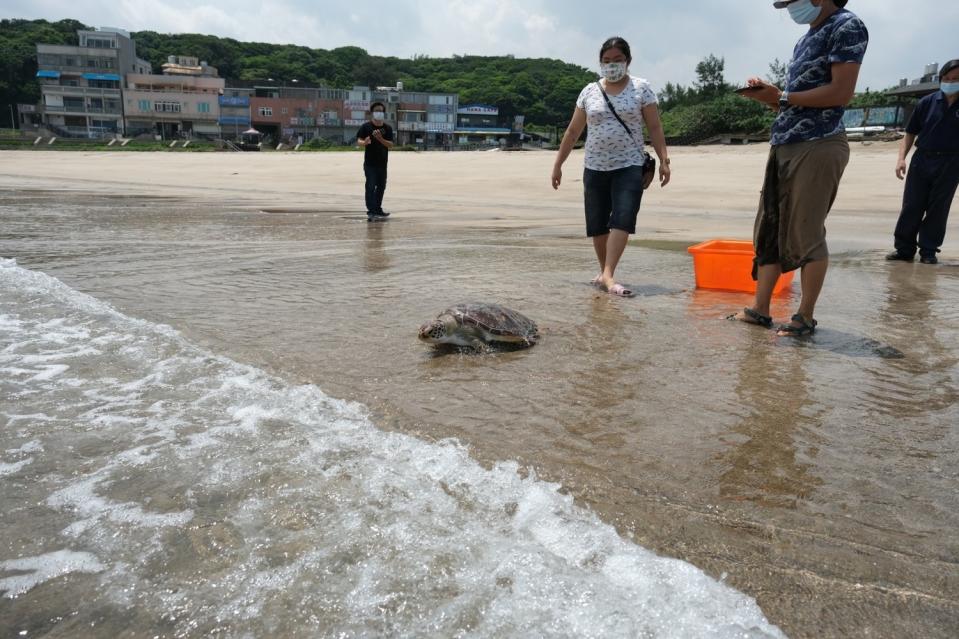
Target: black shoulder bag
649, 166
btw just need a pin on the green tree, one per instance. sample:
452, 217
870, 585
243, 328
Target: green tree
777, 73
710, 76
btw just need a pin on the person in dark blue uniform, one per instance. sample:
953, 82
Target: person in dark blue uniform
377, 136
933, 173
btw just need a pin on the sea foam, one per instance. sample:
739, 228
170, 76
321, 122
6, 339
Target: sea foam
230, 499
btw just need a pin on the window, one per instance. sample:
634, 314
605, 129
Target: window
284, 111
99, 43
266, 111
203, 107
144, 105
167, 107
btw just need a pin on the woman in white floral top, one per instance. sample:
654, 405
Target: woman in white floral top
616, 108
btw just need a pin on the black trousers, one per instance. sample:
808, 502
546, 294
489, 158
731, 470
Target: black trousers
930, 187
375, 187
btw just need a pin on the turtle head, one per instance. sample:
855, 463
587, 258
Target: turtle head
433, 332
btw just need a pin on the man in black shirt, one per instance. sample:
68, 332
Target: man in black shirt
377, 136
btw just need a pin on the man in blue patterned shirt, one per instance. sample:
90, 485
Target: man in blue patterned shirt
808, 156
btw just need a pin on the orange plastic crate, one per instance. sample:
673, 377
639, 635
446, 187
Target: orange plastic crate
727, 265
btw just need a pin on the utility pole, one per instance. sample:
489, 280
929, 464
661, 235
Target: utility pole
13, 122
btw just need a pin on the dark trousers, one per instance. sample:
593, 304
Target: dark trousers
930, 187
375, 187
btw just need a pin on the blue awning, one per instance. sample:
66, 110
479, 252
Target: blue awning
101, 76
48, 74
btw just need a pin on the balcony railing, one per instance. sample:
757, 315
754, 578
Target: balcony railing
145, 89
75, 51
59, 89
76, 69
80, 109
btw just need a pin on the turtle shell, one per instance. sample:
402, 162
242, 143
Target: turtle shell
496, 320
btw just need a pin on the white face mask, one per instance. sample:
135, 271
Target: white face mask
804, 12
378, 116
613, 71
950, 88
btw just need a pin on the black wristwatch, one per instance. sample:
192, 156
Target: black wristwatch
784, 100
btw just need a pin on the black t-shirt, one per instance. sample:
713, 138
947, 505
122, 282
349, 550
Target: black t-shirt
376, 154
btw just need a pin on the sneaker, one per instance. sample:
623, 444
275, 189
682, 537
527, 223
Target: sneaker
897, 256
381, 214
929, 259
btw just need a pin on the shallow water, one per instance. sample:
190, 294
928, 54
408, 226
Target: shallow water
204, 472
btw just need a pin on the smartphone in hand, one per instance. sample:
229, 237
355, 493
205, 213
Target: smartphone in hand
749, 89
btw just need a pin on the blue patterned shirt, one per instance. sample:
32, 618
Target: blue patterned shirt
840, 39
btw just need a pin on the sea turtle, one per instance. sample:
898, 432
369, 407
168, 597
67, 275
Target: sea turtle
476, 324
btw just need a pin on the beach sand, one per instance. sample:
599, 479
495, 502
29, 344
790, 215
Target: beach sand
816, 476
714, 191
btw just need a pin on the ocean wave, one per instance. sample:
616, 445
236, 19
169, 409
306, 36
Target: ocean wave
211, 496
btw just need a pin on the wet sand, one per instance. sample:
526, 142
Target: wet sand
817, 476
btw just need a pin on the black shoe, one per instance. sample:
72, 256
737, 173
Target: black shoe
929, 259
382, 214
897, 256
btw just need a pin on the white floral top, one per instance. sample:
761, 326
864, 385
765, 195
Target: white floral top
608, 146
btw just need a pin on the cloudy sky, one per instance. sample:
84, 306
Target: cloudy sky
668, 37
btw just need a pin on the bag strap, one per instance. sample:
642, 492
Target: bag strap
613, 109
609, 103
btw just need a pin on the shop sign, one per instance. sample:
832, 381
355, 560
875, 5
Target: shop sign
478, 109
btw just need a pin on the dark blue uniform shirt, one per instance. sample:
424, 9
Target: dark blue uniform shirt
936, 123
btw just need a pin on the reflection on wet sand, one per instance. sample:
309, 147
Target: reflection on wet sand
375, 256
763, 464
605, 383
